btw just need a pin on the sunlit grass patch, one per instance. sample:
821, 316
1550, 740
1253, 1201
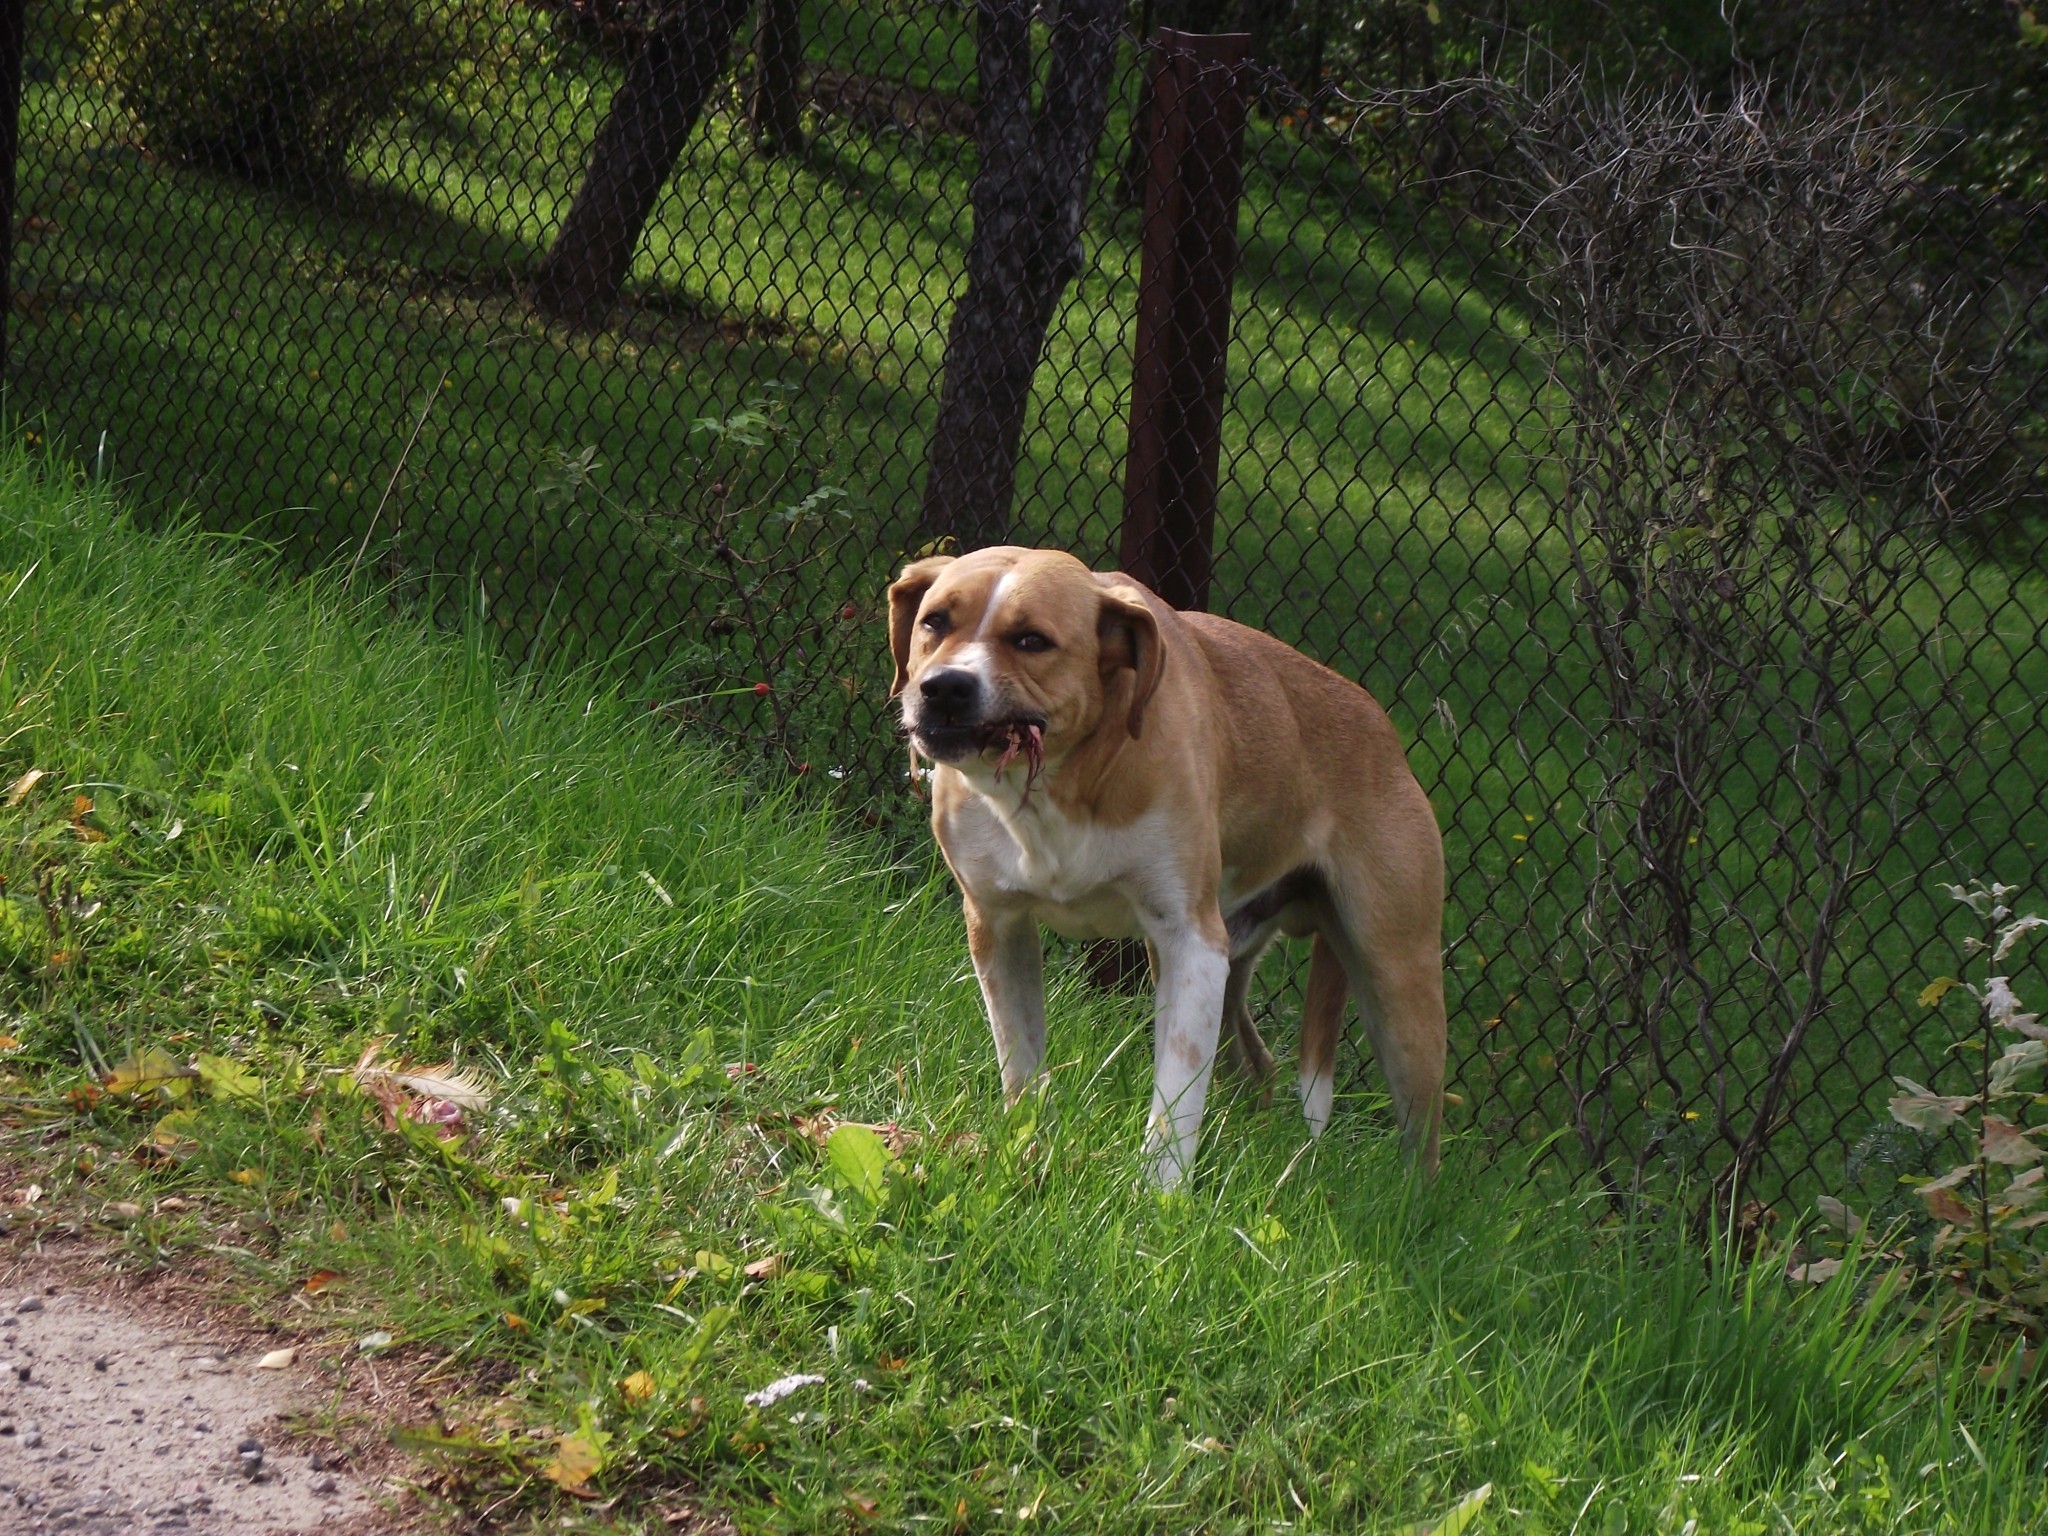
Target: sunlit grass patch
472, 1008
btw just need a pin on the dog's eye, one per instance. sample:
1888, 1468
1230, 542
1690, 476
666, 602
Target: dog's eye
1031, 640
938, 622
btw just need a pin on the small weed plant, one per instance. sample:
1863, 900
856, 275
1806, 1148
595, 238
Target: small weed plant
1985, 1213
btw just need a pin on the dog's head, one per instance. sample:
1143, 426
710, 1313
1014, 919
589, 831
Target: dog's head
1006, 639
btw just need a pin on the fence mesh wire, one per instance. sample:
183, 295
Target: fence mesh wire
331, 342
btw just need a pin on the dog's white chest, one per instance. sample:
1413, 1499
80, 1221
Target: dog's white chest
1079, 878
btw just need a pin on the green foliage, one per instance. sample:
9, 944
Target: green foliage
274, 90
1984, 1235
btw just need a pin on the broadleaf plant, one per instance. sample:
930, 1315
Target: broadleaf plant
1985, 1211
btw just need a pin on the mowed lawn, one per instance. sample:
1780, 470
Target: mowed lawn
744, 1124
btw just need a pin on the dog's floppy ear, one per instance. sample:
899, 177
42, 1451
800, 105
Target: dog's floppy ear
905, 593
1129, 637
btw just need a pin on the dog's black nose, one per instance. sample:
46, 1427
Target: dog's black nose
951, 693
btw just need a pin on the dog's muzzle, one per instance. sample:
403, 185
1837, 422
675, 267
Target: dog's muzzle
947, 718
952, 714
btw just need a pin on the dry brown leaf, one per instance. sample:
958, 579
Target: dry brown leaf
1943, 1205
2007, 1143
18, 791
81, 807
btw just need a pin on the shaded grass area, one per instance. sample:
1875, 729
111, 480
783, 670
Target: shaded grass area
277, 826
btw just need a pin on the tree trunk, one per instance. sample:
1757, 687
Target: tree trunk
651, 117
1029, 196
777, 108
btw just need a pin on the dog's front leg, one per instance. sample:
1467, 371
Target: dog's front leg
1010, 966
1193, 968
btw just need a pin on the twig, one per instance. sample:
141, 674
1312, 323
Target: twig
391, 484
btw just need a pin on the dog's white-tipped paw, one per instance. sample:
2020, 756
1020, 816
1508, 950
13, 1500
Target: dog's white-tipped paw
1317, 1094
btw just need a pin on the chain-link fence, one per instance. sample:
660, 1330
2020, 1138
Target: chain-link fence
1714, 630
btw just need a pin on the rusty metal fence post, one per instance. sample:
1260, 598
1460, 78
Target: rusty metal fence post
1183, 330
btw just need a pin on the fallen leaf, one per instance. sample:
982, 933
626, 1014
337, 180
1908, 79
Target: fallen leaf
577, 1459
1814, 1271
515, 1322
277, 1360
637, 1388
173, 1133
81, 807
18, 791
246, 1176
374, 1343
322, 1279
766, 1269
151, 1069
226, 1079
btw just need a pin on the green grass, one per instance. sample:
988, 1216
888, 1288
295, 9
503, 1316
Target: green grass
362, 374
313, 826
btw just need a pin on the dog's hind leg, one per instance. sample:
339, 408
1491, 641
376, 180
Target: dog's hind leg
1322, 1022
1398, 980
1248, 1053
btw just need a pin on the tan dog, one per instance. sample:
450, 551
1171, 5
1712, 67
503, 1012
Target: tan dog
1109, 767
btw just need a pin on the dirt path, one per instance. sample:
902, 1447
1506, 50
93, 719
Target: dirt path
124, 1413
